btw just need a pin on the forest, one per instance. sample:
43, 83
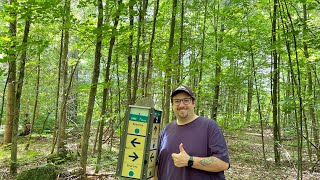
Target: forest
70, 69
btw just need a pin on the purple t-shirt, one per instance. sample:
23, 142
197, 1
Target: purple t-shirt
201, 138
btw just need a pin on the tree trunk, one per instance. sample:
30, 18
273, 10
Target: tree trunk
72, 94
14, 146
199, 95
249, 95
129, 82
93, 91
64, 70
311, 101
179, 71
218, 41
2, 99
35, 107
137, 55
149, 63
168, 73
106, 86
11, 92
300, 115
275, 77
56, 119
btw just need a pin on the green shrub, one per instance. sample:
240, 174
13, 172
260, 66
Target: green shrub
46, 172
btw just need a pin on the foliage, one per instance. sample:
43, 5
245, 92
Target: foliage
49, 172
236, 38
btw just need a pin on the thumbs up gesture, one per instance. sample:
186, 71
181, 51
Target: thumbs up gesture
181, 159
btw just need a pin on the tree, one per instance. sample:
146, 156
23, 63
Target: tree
11, 92
14, 148
106, 82
275, 78
64, 65
169, 62
93, 90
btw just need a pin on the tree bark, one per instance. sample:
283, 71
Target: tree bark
199, 95
14, 146
35, 106
218, 41
64, 70
150, 62
311, 101
106, 82
11, 92
93, 91
2, 99
300, 115
168, 73
56, 118
129, 81
275, 77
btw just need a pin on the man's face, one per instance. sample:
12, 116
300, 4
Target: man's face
183, 105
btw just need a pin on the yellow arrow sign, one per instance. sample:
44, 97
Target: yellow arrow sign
135, 142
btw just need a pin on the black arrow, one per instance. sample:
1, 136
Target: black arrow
151, 157
133, 142
135, 157
155, 129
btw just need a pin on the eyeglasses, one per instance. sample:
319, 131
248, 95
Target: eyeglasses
185, 101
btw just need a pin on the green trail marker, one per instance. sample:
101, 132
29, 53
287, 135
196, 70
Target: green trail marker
139, 143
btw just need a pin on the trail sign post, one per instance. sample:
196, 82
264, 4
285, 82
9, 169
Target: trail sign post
139, 143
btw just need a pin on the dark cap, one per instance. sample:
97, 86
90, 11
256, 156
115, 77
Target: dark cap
183, 88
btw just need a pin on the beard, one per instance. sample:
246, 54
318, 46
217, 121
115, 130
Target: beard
182, 113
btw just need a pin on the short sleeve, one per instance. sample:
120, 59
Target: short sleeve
217, 146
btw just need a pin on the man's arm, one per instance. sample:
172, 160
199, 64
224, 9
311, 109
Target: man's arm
211, 164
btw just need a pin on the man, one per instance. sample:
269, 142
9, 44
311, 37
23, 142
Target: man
192, 147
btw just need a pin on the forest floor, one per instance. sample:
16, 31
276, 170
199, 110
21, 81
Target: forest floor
244, 145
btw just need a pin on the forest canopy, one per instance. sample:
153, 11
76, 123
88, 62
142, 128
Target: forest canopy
76, 65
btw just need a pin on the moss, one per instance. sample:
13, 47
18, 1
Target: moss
46, 172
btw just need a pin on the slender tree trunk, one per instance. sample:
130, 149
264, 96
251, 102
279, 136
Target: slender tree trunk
168, 73
309, 89
149, 63
143, 52
129, 82
199, 96
274, 88
300, 120
72, 97
254, 79
218, 42
35, 107
14, 146
249, 95
180, 56
2, 99
93, 91
11, 92
137, 55
63, 111
56, 118
106, 88
45, 122
311, 101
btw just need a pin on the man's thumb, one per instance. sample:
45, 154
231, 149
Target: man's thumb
181, 147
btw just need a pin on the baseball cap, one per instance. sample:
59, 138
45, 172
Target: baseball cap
183, 88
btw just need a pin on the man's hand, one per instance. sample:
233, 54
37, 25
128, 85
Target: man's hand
181, 159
